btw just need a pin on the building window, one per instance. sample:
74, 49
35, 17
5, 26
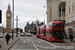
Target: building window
69, 20
63, 9
69, 9
60, 11
72, 7
73, 18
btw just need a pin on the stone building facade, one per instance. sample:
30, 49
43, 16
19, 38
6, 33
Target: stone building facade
2, 29
30, 27
62, 10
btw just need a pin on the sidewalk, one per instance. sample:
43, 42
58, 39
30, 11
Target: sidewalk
71, 43
4, 46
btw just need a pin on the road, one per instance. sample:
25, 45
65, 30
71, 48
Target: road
33, 43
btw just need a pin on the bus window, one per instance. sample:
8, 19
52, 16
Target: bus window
44, 26
56, 24
57, 34
58, 28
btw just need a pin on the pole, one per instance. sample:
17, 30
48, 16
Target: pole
36, 21
16, 26
12, 19
3, 27
44, 21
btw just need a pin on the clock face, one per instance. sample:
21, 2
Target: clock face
8, 14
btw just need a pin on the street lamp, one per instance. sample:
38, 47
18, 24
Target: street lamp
36, 21
16, 26
3, 26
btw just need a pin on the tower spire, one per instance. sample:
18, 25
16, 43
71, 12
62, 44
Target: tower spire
9, 7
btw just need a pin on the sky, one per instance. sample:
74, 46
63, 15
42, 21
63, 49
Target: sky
26, 10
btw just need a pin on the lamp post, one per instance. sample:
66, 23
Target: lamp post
12, 19
36, 21
36, 25
44, 21
3, 26
16, 26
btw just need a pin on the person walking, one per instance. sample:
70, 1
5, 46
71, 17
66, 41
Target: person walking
65, 35
7, 37
71, 37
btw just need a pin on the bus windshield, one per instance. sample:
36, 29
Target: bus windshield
58, 24
44, 26
57, 34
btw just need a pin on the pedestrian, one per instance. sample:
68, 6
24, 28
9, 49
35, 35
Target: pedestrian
65, 34
71, 37
7, 37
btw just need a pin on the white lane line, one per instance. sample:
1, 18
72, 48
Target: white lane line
39, 42
34, 44
24, 41
48, 43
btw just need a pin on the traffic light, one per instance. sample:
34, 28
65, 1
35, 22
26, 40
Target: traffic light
0, 16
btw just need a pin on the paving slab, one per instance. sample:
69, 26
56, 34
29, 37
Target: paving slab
4, 45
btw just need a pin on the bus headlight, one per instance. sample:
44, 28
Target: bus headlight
53, 38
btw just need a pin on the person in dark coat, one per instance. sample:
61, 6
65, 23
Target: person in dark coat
71, 37
7, 37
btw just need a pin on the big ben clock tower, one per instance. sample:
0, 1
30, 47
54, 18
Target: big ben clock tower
8, 19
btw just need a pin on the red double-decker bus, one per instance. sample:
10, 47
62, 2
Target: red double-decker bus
55, 31
44, 31
41, 32
38, 32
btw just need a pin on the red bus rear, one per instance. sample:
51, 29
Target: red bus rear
38, 32
55, 31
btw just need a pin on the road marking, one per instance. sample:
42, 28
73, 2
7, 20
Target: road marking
23, 41
34, 44
27, 39
39, 42
48, 47
48, 43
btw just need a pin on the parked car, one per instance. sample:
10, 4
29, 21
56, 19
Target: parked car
1, 35
22, 34
19, 32
29, 34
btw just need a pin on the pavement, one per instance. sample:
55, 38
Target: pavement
4, 46
69, 42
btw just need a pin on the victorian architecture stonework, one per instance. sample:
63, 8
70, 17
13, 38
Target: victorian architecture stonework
62, 10
30, 27
8, 19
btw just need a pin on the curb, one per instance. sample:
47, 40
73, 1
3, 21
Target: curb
13, 43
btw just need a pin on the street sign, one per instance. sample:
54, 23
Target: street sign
29, 30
